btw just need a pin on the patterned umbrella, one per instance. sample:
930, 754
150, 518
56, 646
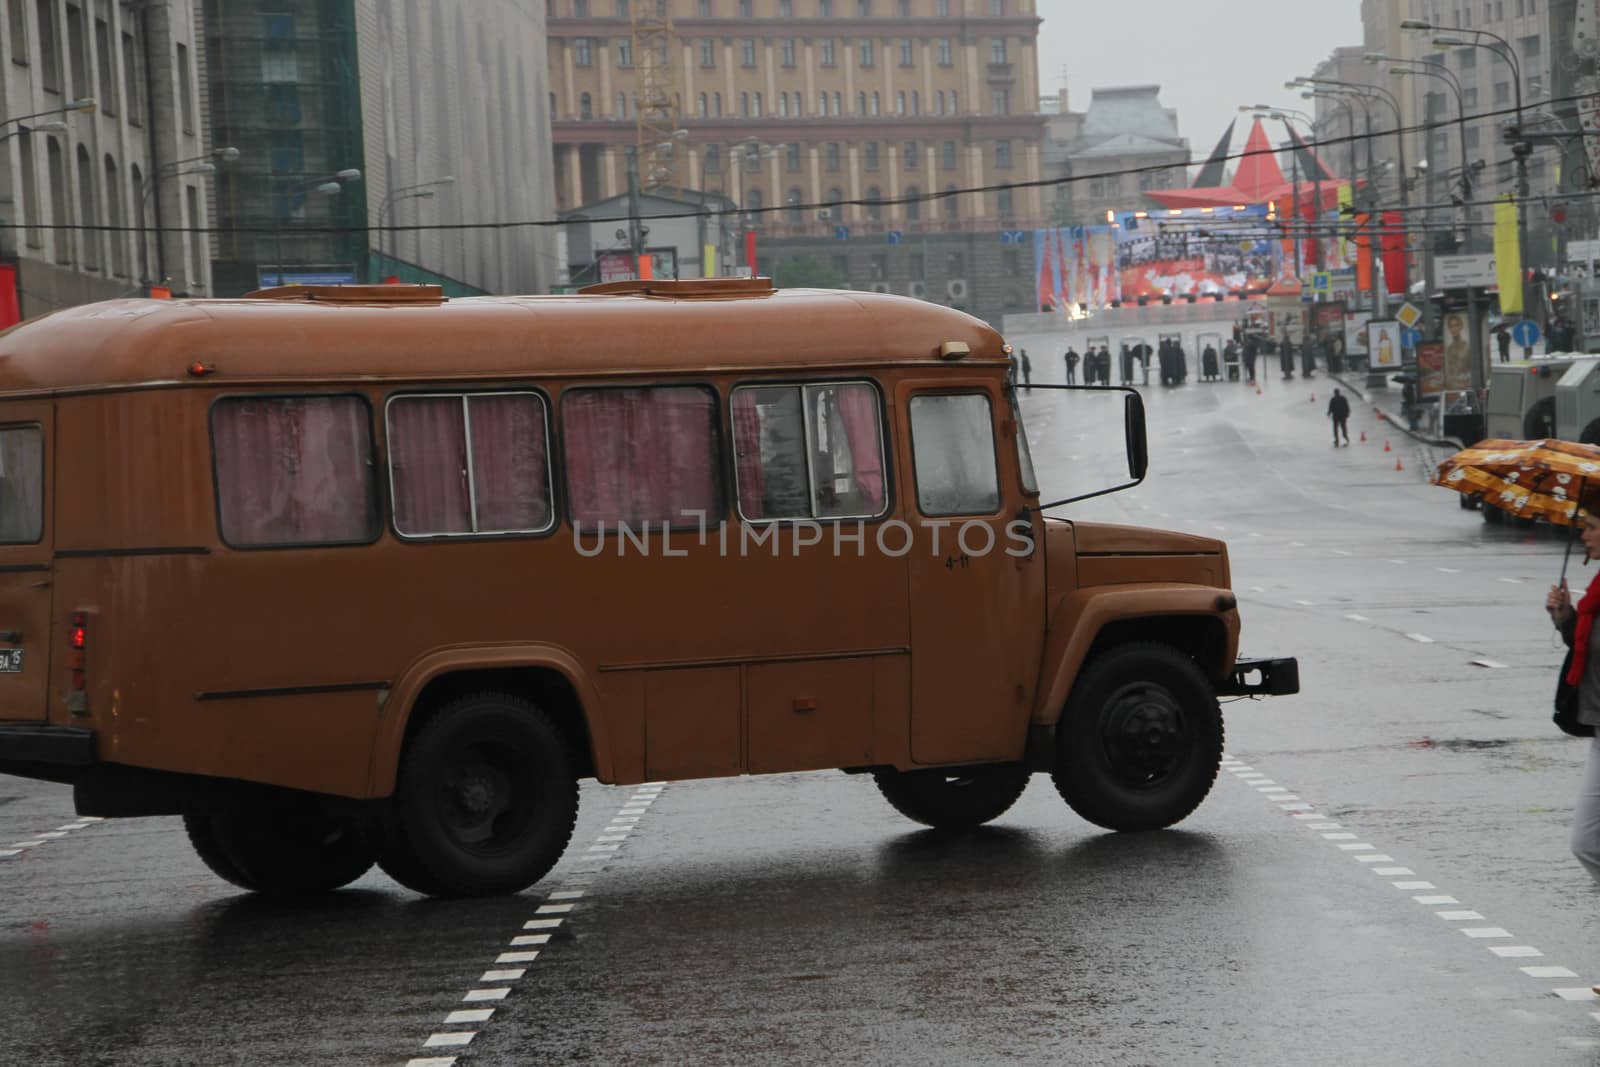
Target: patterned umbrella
1527, 479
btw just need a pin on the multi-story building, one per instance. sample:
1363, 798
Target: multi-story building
372, 135
849, 131
1115, 153
100, 132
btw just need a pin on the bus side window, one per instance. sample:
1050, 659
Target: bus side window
809, 452
640, 456
294, 470
21, 485
952, 443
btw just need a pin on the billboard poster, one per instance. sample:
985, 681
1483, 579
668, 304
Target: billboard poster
1457, 347
618, 266
1177, 253
1355, 335
1383, 345
1430, 368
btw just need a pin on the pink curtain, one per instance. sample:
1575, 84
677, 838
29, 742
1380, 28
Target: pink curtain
295, 470
858, 408
747, 454
511, 474
641, 455
428, 461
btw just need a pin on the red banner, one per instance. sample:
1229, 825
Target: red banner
10, 307
1395, 253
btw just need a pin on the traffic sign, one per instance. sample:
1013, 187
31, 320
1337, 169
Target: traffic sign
1409, 315
1013, 237
897, 237
1410, 337
1525, 333
841, 233
1321, 282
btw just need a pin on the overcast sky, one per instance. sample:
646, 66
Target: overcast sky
1207, 58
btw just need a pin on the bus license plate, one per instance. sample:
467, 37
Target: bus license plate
10, 661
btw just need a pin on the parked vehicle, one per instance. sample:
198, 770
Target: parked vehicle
356, 575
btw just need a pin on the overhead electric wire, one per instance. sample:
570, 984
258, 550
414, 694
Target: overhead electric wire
773, 209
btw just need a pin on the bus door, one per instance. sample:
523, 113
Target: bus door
26, 540
973, 588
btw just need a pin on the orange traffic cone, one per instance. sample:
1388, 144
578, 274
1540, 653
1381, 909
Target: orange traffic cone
1258, 390
1386, 447
1313, 398
1363, 437
1398, 465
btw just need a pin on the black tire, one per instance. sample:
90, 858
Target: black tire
285, 850
485, 802
1467, 502
955, 798
1140, 741
1493, 515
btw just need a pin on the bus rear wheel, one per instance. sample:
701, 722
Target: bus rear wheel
1140, 742
288, 850
953, 798
486, 800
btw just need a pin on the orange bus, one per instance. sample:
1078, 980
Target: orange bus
361, 575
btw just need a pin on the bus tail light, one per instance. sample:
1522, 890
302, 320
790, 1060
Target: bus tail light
77, 655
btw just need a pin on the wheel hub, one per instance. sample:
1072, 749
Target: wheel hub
1144, 735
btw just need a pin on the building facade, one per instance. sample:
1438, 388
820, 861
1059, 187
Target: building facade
382, 138
1123, 147
102, 179
850, 131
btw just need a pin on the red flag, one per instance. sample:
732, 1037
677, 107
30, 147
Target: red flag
1395, 253
10, 309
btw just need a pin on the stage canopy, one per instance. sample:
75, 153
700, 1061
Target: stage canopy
1259, 179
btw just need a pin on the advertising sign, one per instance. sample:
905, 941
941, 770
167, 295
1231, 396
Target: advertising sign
1383, 345
618, 266
1355, 335
1430, 368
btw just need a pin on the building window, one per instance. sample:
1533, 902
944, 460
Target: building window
132, 80
1535, 86
1472, 137
759, 110
828, 56
938, 107
105, 56
624, 52
946, 52
786, 9
586, 106
835, 199
49, 55
864, 8
1502, 94
952, 206
877, 101
704, 8
60, 206
702, 106
908, 53
997, 7
916, 101
583, 52
830, 154
869, 155
646, 455
744, 105
955, 103
622, 106
997, 51
708, 54
797, 215
713, 159
88, 217
874, 200
786, 51
791, 157
580, 9
1002, 101
822, 104
1004, 200
942, 8
913, 158
17, 26
900, 102
747, 52
903, 8
185, 89
947, 155
824, 9
30, 192
866, 53
77, 47
861, 103
754, 202
838, 103
809, 452
1469, 97
783, 105
294, 471
913, 206
1002, 154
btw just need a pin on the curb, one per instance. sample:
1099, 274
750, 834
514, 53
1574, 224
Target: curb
1389, 417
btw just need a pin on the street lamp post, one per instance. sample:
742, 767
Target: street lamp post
325, 185
419, 191
1521, 148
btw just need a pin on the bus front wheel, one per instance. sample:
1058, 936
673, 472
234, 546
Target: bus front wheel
954, 798
486, 799
284, 850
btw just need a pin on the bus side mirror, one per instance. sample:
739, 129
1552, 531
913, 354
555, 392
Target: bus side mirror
1137, 445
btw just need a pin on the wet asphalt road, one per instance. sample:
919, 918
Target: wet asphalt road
1340, 898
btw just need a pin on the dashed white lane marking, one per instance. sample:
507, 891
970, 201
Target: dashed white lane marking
1342, 552
1357, 618
1348, 842
1448, 570
1421, 639
1306, 603
1492, 664
1398, 562
463, 1024
1297, 544
45, 837
1512, 581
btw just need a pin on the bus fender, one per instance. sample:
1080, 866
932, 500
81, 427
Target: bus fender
402, 699
1082, 615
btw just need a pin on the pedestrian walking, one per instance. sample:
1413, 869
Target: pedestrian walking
1502, 338
1127, 365
1013, 372
1578, 689
1072, 365
1027, 371
1250, 351
1339, 412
